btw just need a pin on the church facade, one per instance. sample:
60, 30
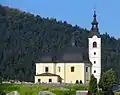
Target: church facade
73, 64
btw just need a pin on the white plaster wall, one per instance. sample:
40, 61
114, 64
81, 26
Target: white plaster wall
87, 75
40, 68
97, 57
78, 74
45, 79
62, 70
65, 71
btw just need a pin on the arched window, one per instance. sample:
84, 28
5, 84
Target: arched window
80, 81
72, 69
94, 44
59, 69
94, 71
39, 80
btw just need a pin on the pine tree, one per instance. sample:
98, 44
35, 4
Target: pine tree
93, 85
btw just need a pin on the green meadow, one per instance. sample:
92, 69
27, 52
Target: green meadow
117, 93
34, 89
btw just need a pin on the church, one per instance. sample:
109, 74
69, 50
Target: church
73, 64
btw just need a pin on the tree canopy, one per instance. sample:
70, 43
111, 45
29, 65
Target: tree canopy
108, 80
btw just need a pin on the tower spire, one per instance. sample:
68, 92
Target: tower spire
94, 22
94, 29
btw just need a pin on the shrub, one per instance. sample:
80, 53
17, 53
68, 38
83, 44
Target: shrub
2, 93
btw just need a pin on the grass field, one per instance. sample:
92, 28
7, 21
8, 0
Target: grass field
117, 93
34, 89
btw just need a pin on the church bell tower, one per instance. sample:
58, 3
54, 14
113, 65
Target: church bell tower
95, 48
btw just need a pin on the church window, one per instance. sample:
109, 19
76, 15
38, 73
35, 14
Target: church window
94, 62
94, 44
72, 69
39, 80
94, 53
80, 81
77, 81
59, 69
94, 71
50, 80
46, 69
86, 69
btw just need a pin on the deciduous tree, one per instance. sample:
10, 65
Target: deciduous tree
108, 80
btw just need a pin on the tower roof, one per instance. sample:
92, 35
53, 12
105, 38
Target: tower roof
94, 29
94, 19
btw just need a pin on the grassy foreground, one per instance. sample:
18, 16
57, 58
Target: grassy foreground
34, 89
117, 93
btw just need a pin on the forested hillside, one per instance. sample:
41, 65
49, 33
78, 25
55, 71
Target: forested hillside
23, 37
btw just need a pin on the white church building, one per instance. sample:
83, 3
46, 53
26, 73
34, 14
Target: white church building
73, 64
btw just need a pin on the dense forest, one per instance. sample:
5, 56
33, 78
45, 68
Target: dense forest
24, 36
